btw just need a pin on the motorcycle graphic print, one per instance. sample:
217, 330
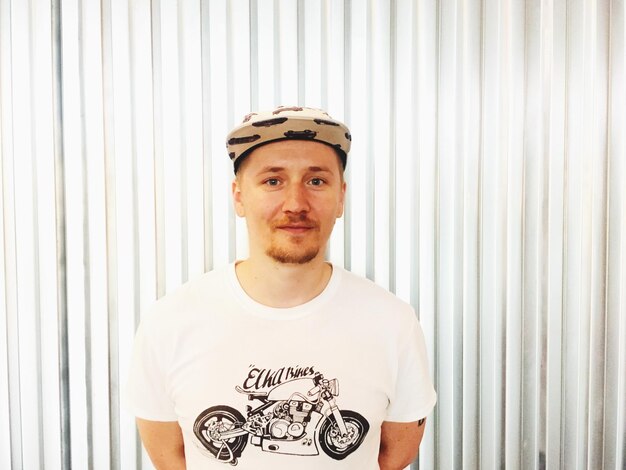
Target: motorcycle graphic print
294, 417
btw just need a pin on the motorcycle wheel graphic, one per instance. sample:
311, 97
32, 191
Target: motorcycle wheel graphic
337, 446
211, 423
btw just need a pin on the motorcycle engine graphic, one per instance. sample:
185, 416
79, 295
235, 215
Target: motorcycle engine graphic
296, 417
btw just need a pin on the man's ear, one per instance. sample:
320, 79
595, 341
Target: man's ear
237, 200
341, 200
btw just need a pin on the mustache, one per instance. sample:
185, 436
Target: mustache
300, 219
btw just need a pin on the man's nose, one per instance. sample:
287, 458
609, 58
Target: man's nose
296, 199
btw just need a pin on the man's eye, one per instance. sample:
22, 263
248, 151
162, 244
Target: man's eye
317, 181
272, 181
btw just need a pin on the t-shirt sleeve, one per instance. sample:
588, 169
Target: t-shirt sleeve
414, 396
146, 389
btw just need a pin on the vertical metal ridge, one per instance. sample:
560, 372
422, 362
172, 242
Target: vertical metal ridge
436, 247
278, 82
566, 262
254, 55
607, 264
86, 243
11, 342
230, 68
61, 237
606, 445
564, 277
539, 313
615, 366
585, 324
301, 53
598, 350
393, 64
460, 208
324, 33
480, 250
533, 246
347, 70
134, 168
111, 231
620, 435
415, 165
157, 119
507, 323
230, 118
555, 313
470, 436
500, 215
10, 251
206, 133
136, 274
182, 105
571, 425
479, 224
598, 311
35, 219
546, 58
370, 190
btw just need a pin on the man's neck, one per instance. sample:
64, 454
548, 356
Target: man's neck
282, 285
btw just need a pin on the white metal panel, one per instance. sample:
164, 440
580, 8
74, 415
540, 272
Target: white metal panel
485, 186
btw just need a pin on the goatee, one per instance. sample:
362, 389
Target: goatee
287, 257
294, 256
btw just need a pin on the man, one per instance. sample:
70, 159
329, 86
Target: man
282, 360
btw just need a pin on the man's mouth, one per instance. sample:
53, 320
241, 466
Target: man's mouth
296, 229
296, 225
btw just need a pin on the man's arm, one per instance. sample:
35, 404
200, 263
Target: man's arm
163, 441
399, 444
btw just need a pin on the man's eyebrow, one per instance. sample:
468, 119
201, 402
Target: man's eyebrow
278, 169
319, 168
271, 169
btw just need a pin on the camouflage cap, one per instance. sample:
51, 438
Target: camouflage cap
285, 123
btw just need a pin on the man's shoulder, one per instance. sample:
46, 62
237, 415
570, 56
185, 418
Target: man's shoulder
197, 292
368, 295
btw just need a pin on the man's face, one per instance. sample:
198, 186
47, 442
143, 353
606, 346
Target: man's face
290, 192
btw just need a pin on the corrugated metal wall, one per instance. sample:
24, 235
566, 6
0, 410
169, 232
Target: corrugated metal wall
487, 185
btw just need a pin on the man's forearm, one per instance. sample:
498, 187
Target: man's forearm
163, 441
399, 444
386, 461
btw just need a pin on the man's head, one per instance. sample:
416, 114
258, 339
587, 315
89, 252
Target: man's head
290, 191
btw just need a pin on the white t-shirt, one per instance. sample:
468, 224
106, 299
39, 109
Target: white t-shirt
258, 385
